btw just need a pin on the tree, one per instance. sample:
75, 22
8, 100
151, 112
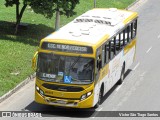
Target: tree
94, 3
49, 7
19, 12
44, 7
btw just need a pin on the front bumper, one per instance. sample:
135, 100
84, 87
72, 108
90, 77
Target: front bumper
86, 103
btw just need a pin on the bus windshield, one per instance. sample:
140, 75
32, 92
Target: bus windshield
65, 69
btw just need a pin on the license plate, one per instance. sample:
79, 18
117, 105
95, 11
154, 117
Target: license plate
61, 102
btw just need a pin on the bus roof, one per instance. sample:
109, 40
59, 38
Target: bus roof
93, 26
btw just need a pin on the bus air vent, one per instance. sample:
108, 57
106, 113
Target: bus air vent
62, 88
83, 20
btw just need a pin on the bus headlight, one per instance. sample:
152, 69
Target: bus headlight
89, 93
84, 96
37, 88
39, 91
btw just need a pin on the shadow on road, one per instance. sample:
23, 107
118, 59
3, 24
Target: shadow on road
51, 111
115, 86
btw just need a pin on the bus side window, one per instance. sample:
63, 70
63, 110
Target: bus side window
107, 52
134, 28
131, 30
115, 43
121, 37
99, 62
103, 55
124, 37
112, 48
129, 33
118, 43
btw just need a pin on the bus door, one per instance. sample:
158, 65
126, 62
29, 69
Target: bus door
106, 66
102, 69
114, 57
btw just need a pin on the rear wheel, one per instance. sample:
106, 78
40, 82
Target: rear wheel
122, 76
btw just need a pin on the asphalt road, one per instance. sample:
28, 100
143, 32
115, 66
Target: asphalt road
140, 90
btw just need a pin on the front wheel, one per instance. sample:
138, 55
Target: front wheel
99, 99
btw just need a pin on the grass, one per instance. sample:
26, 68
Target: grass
16, 52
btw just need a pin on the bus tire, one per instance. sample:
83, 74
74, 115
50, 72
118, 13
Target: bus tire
99, 98
122, 76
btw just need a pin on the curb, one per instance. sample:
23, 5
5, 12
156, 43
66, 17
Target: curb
31, 77
20, 85
132, 4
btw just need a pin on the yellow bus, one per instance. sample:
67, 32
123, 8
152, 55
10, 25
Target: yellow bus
78, 64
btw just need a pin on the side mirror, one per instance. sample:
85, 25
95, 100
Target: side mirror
34, 61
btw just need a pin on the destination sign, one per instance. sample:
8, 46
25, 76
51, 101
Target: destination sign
66, 47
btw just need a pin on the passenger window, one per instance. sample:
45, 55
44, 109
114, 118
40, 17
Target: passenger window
107, 52
99, 62
134, 29
131, 30
125, 38
129, 33
121, 37
103, 55
118, 43
112, 48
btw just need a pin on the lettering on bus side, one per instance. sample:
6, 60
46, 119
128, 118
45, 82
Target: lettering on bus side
66, 47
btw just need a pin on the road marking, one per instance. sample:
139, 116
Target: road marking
136, 66
100, 109
158, 36
97, 112
24, 109
118, 88
142, 75
149, 49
